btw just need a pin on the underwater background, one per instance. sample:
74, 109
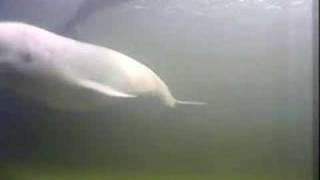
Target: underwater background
250, 60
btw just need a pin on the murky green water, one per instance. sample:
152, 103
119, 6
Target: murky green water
250, 60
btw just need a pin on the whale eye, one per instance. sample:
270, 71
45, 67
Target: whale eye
26, 58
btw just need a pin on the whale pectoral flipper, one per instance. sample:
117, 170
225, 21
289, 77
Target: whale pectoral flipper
104, 89
191, 102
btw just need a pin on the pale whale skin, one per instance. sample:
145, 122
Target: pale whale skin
72, 75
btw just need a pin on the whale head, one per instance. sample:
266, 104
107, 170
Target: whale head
19, 57
13, 59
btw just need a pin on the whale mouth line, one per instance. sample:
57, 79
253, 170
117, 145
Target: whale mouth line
6, 68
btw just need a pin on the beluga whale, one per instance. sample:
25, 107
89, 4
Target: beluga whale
67, 74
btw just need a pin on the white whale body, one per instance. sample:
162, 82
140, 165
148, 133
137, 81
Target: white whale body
68, 74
